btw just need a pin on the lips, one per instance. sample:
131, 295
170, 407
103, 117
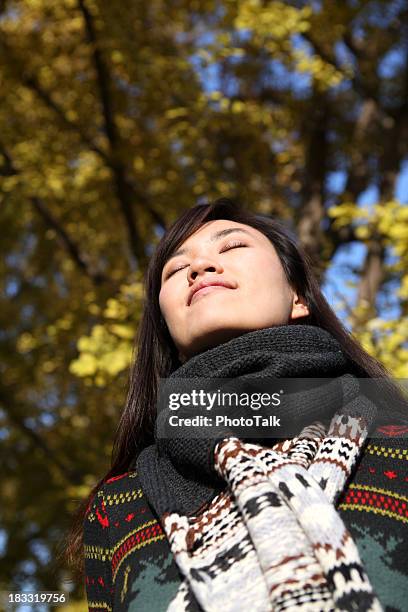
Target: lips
204, 285
207, 289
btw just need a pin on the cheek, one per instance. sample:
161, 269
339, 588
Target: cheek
262, 270
267, 282
168, 300
163, 301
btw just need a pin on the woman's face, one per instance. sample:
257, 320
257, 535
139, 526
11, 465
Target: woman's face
255, 294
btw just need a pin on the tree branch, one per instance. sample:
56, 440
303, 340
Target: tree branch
372, 275
97, 277
31, 82
311, 212
389, 163
69, 245
124, 190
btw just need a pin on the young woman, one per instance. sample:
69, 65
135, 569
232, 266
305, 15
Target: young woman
313, 522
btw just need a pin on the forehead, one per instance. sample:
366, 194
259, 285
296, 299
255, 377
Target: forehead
210, 230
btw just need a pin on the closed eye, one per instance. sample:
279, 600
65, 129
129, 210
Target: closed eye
174, 271
233, 245
230, 245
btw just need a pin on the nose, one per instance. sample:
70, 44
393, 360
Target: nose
200, 265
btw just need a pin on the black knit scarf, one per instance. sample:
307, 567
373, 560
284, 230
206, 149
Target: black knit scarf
177, 474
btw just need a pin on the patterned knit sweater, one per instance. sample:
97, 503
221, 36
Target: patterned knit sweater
129, 566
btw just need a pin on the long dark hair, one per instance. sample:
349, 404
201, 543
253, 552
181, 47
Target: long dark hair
156, 355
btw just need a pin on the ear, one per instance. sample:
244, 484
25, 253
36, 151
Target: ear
299, 307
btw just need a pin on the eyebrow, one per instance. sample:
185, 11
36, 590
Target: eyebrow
213, 238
